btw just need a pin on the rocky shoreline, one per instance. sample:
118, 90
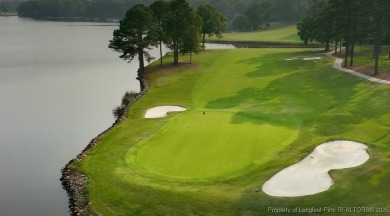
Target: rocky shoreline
74, 182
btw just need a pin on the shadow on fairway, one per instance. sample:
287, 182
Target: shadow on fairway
311, 92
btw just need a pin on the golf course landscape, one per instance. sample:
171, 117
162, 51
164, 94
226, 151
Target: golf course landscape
250, 113
277, 35
280, 34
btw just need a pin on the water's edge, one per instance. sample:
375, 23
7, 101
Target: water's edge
74, 182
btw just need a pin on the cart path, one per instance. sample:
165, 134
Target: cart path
337, 65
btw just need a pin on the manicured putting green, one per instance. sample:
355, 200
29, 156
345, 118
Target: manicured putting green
197, 146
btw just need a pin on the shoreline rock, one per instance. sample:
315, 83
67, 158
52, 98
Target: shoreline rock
74, 182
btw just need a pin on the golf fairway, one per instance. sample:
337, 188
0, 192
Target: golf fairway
249, 114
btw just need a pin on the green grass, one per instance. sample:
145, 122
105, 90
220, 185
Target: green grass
209, 146
363, 57
262, 114
285, 34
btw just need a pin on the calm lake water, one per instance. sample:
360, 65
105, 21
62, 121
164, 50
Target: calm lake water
58, 85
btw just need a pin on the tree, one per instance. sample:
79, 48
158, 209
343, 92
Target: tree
379, 14
190, 42
345, 22
181, 27
258, 14
28, 9
161, 10
323, 22
387, 38
133, 38
348, 21
213, 22
4, 7
350, 24
318, 25
289, 11
306, 29
240, 23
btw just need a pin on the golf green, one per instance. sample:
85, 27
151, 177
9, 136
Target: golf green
193, 146
224, 142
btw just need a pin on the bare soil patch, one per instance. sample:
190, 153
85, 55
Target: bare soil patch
369, 71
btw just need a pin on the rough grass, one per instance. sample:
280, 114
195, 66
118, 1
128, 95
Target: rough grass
263, 113
285, 34
364, 58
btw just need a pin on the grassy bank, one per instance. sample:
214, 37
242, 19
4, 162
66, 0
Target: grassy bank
364, 60
287, 34
279, 37
262, 113
287, 37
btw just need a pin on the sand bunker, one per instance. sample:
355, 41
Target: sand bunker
161, 111
305, 59
290, 59
310, 175
312, 58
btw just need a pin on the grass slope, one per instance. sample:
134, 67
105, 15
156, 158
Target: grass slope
262, 114
286, 34
363, 57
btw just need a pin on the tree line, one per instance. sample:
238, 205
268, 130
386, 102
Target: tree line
9, 6
102, 9
242, 15
259, 14
174, 23
348, 23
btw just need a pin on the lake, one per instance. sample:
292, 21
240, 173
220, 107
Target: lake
58, 85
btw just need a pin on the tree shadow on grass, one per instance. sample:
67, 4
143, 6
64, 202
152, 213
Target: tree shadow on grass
328, 102
331, 101
369, 104
372, 103
265, 64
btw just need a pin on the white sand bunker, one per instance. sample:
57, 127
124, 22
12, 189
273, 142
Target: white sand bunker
310, 175
305, 59
161, 111
312, 58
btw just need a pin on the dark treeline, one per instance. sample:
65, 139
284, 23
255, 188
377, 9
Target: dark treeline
9, 6
254, 15
173, 23
241, 14
348, 23
102, 9
288, 11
